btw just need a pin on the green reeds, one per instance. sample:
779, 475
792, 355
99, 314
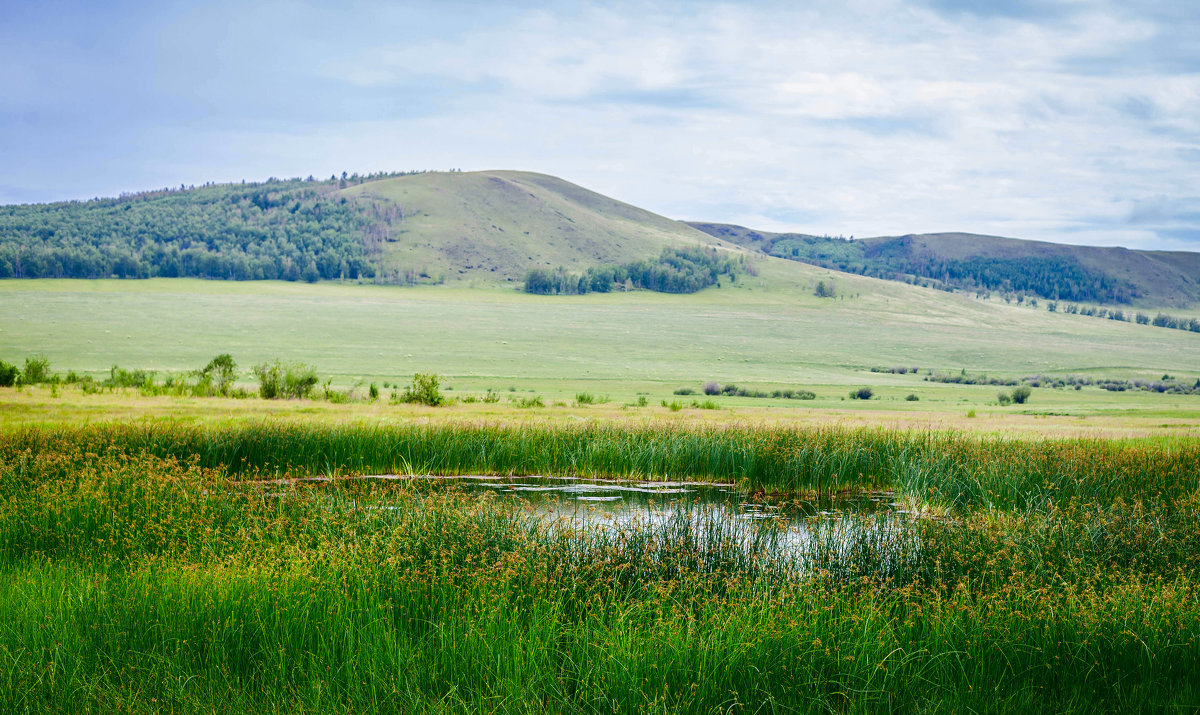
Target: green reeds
942, 468
134, 583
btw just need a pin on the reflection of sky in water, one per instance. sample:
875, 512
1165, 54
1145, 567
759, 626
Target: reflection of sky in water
864, 530
714, 511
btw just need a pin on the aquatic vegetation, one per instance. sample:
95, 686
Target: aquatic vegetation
155, 568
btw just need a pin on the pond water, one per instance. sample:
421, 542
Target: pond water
613, 501
803, 534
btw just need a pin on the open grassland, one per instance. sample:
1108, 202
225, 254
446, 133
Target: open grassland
1053, 413
764, 330
766, 333
142, 569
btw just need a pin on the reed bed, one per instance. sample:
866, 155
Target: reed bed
142, 571
939, 467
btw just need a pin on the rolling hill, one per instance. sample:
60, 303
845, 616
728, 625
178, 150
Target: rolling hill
494, 227
991, 263
424, 227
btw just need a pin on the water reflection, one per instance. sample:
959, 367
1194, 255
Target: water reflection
626, 504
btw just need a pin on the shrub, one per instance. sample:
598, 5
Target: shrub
585, 398
535, 401
911, 397
37, 369
712, 388
218, 375
278, 380
706, 405
8, 374
862, 393
673, 405
118, 377
1004, 398
491, 397
424, 390
373, 392
1021, 393
685, 391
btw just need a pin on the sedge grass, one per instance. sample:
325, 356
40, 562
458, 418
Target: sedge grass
954, 470
130, 582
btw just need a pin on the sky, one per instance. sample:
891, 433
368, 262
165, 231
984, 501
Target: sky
1072, 121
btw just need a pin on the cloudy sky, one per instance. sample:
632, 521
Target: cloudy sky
1068, 121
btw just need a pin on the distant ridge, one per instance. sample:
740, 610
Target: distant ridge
494, 227
968, 261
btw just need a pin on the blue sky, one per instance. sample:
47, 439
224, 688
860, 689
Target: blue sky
1067, 121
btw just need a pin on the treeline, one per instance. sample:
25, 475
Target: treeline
275, 230
1167, 384
1049, 277
1160, 320
677, 270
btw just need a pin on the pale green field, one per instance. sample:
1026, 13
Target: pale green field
768, 331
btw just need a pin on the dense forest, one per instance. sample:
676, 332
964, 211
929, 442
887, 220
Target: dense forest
677, 270
1051, 277
275, 230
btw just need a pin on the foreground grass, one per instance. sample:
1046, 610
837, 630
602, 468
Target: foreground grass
130, 582
142, 569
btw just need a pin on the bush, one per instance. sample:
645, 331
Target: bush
8, 374
706, 405
685, 391
1004, 398
37, 369
424, 390
535, 401
911, 397
278, 380
585, 398
1021, 393
119, 377
673, 405
217, 376
862, 393
712, 388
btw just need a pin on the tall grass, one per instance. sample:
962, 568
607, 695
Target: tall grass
943, 468
129, 582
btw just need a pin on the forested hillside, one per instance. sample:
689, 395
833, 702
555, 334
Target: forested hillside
407, 228
279, 229
1086, 274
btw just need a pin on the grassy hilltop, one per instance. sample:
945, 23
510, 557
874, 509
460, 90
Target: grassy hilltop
496, 225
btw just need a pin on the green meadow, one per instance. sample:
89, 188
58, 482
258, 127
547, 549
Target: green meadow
767, 330
163, 552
